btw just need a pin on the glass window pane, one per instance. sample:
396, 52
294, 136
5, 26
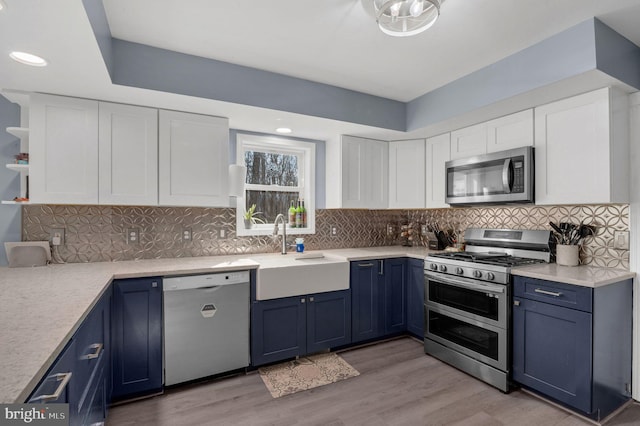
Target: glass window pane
265, 168
270, 203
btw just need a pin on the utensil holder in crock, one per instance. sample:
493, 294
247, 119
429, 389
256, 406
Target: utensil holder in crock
567, 255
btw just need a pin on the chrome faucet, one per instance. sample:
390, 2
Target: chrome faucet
281, 218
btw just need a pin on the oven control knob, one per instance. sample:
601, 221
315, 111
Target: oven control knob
433, 267
459, 271
443, 268
477, 274
490, 276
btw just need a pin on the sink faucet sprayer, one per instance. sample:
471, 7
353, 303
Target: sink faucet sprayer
281, 218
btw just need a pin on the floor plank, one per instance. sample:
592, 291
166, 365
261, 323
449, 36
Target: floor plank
398, 385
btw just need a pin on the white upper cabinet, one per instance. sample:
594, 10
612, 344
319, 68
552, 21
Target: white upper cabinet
365, 165
511, 131
193, 160
582, 149
407, 174
469, 141
63, 150
500, 134
128, 152
437, 154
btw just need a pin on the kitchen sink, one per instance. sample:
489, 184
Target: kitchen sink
297, 274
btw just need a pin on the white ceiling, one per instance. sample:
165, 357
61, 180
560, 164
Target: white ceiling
336, 42
328, 41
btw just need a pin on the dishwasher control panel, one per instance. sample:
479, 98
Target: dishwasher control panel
206, 280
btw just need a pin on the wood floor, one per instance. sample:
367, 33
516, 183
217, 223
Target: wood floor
398, 385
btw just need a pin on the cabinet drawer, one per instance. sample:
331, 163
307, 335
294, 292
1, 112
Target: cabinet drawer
55, 386
90, 343
555, 293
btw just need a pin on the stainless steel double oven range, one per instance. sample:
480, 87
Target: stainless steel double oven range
468, 298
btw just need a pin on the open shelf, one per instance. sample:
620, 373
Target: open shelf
14, 202
19, 132
23, 168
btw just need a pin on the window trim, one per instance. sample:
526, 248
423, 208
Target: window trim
306, 179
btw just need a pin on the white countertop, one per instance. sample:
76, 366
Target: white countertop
586, 276
41, 308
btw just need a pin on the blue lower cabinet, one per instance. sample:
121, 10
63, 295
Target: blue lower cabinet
295, 326
78, 376
367, 282
395, 296
552, 351
328, 320
136, 331
415, 297
278, 329
378, 298
573, 344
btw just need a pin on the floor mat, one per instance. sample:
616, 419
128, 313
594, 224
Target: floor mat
306, 373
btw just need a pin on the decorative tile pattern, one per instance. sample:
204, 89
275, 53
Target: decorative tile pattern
98, 233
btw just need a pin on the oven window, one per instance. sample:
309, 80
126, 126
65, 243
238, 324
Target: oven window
466, 300
477, 339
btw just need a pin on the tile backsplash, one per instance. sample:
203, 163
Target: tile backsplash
98, 233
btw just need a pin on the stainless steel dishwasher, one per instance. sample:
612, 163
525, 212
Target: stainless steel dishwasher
206, 325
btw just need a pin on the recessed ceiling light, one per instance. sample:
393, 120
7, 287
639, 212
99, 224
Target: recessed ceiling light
283, 130
28, 59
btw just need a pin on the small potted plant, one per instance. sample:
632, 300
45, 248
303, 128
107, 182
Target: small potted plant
250, 217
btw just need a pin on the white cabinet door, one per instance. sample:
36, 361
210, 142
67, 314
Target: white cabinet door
128, 152
406, 174
63, 150
365, 165
511, 131
193, 160
438, 152
469, 141
582, 150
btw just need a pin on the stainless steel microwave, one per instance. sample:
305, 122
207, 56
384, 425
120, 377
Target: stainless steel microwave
504, 177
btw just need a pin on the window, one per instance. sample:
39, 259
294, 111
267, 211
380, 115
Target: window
279, 171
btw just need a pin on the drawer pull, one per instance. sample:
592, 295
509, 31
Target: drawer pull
548, 293
96, 349
365, 265
63, 378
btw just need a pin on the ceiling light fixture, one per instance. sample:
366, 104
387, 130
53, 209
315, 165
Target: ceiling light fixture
401, 18
28, 59
2, 5
283, 130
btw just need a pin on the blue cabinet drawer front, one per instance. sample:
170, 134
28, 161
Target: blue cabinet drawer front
555, 293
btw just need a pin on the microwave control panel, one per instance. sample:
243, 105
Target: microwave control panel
518, 175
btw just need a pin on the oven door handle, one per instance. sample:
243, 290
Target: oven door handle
468, 284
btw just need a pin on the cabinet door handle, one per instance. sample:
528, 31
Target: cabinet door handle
63, 378
311, 299
365, 265
381, 271
96, 349
548, 293
302, 300
516, 303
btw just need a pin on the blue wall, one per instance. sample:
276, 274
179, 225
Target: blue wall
10, 218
